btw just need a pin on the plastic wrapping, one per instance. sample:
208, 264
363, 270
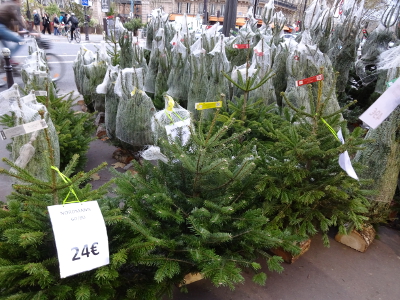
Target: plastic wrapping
268, 12
156, 54
153, 153
171, 114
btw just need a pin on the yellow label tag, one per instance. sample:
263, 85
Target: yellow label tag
207, 105
134, 91
171, 103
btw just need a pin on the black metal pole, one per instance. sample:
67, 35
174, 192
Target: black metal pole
205, 13
7, 66
86, 24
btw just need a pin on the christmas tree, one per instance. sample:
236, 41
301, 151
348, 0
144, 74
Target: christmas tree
198, 212
28, 256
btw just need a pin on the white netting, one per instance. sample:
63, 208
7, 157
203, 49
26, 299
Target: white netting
179, 76
155, 57
262, 58
197, 49
95, 73
389, 59
111, 99
128, 80
306, 61
133, 119
30, 150
153, 153
199, 84
172, 114
268, 12
84, 57
218, 84
7, 98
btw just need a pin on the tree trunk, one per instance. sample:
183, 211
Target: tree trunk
358, 240
289, 257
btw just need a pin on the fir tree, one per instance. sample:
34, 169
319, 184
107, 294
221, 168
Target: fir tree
301, 176
198, 213
28, 256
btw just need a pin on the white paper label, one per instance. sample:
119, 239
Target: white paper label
382, 107
344, 159
180, 129
41, 93
81, 237
23, 129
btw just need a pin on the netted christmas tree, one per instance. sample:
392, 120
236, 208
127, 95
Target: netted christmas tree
305, 61
107, 88
29, 151
382, 154
179, 77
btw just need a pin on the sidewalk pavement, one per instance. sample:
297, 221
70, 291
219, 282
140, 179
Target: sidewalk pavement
93, 38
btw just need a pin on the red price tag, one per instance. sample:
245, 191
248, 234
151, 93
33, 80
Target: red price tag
241, 46
208, 26
310, 80
258, 53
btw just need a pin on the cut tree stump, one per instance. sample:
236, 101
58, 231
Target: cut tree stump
289, 257
358, 240
189, 278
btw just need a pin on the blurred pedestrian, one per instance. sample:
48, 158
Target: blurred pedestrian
36, 21
46, 23
56, 23
73, 22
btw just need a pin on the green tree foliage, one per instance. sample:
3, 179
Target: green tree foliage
199, 213
133, 24
28, 256
301, 176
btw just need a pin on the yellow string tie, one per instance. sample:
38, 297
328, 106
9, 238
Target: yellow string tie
71, 189
330, 129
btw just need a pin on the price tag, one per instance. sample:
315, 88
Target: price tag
241, 46
310, 80
23, 129
180, 129
344, 159
382, 107
81, 237
40, 93
207, 105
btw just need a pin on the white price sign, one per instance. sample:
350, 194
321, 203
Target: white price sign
382, 107
81, 237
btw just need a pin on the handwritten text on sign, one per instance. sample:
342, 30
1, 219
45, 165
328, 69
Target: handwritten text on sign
310, 80
382, 107
81, 237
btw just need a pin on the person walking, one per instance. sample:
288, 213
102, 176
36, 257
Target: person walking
56, 25
46, 23
73, 22
36, 21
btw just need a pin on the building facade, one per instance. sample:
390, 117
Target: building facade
215, 8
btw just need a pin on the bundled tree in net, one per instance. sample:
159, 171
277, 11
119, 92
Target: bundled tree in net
29, 151
107, 88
